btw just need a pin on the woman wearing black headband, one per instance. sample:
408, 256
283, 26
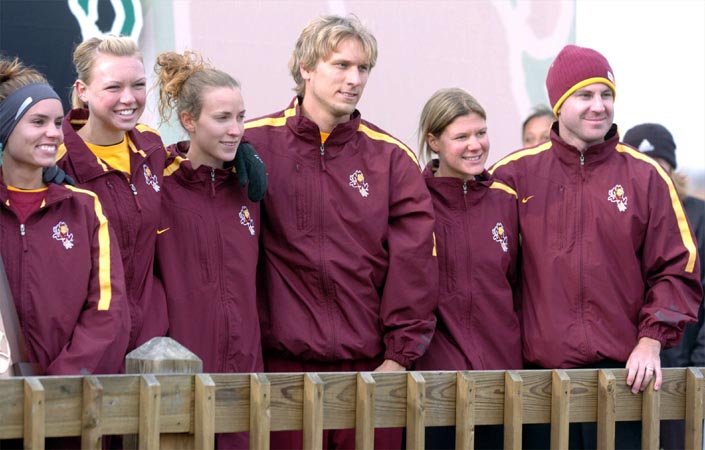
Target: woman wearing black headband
61, 260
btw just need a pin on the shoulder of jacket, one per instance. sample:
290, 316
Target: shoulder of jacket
371, 132
142, 128
277, 119
501, 187
520, 155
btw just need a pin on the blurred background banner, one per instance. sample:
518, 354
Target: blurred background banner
497, 50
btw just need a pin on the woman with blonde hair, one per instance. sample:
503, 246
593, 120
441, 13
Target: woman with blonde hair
207, 252
107, 151
477, 238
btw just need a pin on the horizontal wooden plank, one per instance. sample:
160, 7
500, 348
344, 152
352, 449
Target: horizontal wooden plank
120, 400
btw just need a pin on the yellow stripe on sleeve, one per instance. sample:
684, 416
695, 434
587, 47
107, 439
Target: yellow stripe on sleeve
174, 166
387, 138
272, 121
106, 291
503, 187
520, 154
686, 236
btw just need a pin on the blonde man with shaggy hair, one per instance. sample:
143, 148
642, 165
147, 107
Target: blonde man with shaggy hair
348, 272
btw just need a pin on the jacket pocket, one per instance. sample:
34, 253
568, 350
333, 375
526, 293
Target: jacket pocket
303, 197
447, 258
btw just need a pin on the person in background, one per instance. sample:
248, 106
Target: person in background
610, 271
107, 151
477, 237
537, 127
348, 279
656, 141
60, 256
207, 243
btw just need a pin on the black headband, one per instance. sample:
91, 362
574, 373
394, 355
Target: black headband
18, 103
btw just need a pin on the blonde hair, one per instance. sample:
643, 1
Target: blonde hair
321, 37
14, 75
182, 81
88, 51
444, 106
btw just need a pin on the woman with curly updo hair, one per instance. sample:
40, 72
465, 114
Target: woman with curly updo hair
208, 246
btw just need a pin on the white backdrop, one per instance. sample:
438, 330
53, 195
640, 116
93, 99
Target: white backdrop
657, 51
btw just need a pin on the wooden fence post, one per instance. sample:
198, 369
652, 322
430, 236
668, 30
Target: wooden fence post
606, 405
163, 355
415, 410
560, 409
513, 409
464, 411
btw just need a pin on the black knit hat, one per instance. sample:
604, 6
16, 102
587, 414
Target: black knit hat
654, 140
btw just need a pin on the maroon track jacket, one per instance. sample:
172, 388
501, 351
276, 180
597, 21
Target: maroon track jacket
207, 257
608, 256
65, 274
133, 207
348, 270
477, 236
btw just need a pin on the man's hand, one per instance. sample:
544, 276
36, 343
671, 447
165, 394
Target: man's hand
390, 366
643, 364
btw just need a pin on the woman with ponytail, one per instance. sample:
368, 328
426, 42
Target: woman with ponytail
107, 151
207, 248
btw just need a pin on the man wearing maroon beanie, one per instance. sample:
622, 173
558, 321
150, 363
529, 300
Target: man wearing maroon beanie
609, 263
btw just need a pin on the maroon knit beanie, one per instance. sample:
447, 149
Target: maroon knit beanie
576, 67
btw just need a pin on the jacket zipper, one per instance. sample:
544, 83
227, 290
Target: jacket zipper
212, 182
23, 233
323, 157
324, 273
134, 194
581, 297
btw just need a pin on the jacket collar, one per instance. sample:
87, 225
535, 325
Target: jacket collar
55, 193
454, 192
593, 155
180, 167
308, 131
86, 166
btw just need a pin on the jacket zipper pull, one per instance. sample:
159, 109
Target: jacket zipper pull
23, 232
134, 193
212, 182
582, 165
465, 187
323, 157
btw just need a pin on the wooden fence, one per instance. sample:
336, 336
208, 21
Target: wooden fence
199, 405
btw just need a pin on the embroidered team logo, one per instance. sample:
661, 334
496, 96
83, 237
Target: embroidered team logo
500, 236
357, 180
246, 220
150, 178
62, 234
617, 195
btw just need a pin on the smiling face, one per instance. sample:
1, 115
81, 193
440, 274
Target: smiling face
217, 131
462, 147
116, 94
334, 86
586, 116
36, 137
